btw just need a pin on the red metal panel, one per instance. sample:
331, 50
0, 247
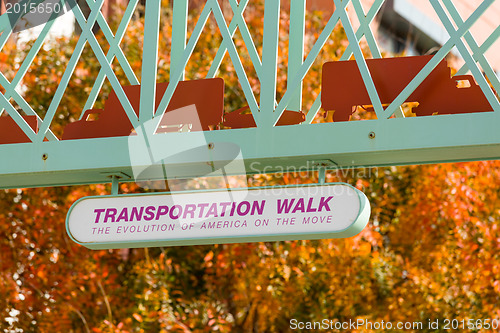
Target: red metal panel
342, 87
207, 95
11, 133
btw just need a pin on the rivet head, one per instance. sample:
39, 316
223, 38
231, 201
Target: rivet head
371, 135
45, 157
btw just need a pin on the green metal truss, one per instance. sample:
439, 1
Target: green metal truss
48, 161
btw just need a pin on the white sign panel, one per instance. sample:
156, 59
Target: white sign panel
267, 214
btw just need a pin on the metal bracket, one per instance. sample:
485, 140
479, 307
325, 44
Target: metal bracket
115, 183
322, 166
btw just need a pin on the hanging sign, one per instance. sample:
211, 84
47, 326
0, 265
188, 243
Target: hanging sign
210, 217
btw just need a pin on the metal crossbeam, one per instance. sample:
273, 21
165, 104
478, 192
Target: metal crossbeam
88, 36
114, 50
179, 33
469, 60
10, 87
311, 57
477, 54
480, 51
237, 22
360, 60
363, 30
296, 48
211, 6
294, 148
150, 60
440, 54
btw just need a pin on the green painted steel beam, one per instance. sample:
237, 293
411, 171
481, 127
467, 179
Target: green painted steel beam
360, 61
178, 68
269, 63
179, 33
149, 60
433, 139
295, 82
296, 49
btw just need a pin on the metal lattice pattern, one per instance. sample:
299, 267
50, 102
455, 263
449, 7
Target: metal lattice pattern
265, 142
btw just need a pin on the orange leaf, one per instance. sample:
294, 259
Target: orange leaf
137, 317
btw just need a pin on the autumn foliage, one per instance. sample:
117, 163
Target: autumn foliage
431, 249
